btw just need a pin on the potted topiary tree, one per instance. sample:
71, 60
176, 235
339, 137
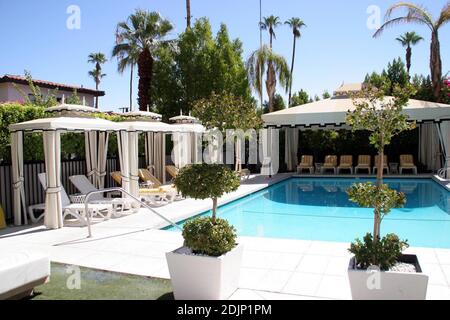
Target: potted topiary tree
378, 269
207, 267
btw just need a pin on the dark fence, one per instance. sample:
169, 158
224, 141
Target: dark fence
34, 193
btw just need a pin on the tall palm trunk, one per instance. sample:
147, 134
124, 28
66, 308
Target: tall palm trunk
292, 72
145, 71
96, 97
131, 87
97, 82
271, 84
271, 81
408, 60
436, 66
271, 37
188, 14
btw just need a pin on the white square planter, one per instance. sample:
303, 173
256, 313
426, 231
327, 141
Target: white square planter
196, 277
388, 285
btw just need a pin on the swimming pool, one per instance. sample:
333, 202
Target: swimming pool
319, 209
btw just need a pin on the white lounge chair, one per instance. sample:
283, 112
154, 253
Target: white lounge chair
76, 210
83, 185
168, 192
21, 271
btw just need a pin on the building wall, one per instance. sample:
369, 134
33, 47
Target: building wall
8, 92
3, 92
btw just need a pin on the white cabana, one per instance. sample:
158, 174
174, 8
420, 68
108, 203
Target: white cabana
52, 129
433, 119
187, 140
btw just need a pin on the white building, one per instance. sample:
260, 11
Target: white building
12, 85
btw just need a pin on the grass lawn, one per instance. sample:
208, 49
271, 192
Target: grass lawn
102, 285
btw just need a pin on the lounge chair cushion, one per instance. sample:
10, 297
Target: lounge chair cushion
151, 191
21, 268
405, 165
329, 165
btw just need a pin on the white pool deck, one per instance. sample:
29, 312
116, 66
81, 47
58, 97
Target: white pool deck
271, 268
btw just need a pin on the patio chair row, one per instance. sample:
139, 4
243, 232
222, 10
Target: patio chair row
346, 164
151, 191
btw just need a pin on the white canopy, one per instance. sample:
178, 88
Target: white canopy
196, 128
332, 112
68, 123
148, 126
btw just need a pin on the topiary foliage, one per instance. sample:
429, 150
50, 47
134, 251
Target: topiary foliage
203, 181
212, 238
368, 195
383, 253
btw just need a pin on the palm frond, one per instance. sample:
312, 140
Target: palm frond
444, 16
397, 21
413, 11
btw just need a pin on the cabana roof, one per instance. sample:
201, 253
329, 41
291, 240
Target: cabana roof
148, 126
97, 124
68, 124
332, 112
195, 128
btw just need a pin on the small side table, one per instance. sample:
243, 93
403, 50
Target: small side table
77, 198
393, 167
318, 166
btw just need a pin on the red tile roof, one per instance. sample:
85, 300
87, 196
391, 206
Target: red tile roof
50, 85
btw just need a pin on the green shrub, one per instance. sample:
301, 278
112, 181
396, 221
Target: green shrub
383, 253
204, 236
11, 113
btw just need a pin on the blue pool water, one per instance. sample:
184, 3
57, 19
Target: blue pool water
319, 209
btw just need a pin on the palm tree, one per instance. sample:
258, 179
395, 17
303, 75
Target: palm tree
407, 40
98, 59
295, 24
418, 14
141, 34
270, 23
188, 14
126, 57
277, 69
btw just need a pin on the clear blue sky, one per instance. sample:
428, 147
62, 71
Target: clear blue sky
336, 46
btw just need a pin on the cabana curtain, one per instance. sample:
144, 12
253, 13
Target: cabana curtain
196, 148
159, 156
429, 150
17, 176
96, 147
133, 162
269, 139
148, 137
53, 218
444, 137
291, 148
155, 154
122, 144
